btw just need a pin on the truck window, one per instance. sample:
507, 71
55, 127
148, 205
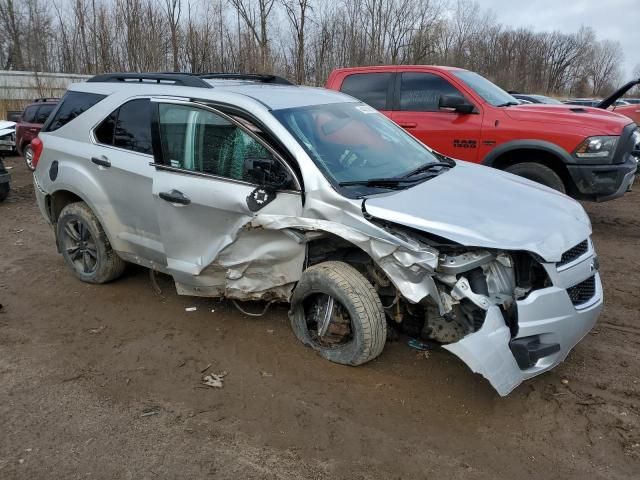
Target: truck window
421, 92
371, 88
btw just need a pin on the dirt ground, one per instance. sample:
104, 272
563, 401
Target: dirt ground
104, 382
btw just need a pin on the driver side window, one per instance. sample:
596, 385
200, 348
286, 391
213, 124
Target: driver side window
201, 141
421, 92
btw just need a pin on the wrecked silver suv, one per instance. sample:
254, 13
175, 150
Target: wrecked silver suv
247, 188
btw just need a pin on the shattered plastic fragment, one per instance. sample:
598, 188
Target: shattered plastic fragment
214, 379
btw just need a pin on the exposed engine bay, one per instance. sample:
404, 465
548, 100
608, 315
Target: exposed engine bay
468, 281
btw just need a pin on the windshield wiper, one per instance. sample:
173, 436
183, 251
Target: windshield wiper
428, 167
379, 182
508, 104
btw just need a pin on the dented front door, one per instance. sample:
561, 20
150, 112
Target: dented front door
205, 202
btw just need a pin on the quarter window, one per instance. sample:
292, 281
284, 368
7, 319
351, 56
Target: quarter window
201, 141
371, 88
128, 127
71, 105
421, 92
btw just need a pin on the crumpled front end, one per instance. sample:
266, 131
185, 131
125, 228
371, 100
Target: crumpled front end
540, 327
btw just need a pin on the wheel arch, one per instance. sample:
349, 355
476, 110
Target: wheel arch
60, 198
534, 151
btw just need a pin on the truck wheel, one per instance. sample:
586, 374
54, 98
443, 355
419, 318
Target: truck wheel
28, 157
538, 173
337, 312
85, 247
4, 191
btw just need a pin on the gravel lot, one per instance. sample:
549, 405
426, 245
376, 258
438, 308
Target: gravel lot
105, 382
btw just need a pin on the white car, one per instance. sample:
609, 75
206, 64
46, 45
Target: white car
249, 188
7, 137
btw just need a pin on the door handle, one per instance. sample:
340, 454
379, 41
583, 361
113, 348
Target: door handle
101, 161
175, 196
408, 125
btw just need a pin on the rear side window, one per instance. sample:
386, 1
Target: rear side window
29, 114
421, 92
71, 105
371, 88
43, 113
128, 127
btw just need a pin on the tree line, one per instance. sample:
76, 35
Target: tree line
302, 40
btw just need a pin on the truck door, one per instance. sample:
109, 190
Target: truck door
416, 109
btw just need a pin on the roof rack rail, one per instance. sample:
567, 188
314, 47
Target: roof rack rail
183, 79
45, 99
257, 77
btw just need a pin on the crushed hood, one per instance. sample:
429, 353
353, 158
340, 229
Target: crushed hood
601, 122
479, 206
7, 126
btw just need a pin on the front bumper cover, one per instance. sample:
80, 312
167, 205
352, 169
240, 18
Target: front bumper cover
546, 315
604, 182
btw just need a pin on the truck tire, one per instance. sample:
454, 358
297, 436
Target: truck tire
335, 295
539, 173
84, 245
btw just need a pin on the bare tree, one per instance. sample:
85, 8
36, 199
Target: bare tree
173, 11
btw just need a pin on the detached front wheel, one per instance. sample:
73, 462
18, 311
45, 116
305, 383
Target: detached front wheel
337, 312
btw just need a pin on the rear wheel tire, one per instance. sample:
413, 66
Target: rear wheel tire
85, 247
28, 157
539, 173
338, 313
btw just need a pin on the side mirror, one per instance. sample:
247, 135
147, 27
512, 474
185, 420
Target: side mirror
267, 172
456, 103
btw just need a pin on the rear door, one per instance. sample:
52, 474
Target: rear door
373, 88
416, 109
120, 159
206, 196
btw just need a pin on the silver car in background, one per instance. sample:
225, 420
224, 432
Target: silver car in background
249, 188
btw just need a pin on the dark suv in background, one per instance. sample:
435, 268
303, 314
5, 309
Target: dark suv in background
30, 124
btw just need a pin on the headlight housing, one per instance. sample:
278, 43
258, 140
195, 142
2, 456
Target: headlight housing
601, 147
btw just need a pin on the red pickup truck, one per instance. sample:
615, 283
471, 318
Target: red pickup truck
588, 153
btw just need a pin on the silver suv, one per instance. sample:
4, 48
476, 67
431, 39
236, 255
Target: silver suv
249, 188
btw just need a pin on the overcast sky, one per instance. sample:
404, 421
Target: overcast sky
613, 19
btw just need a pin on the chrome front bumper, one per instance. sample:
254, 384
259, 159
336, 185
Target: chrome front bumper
546, 315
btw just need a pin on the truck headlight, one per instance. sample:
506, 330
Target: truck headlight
597, 147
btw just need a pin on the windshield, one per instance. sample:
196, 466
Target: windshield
352, 142
490, 92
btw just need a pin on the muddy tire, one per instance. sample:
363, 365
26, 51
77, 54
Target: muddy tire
539, 173
356, 329
28, 157
85, 247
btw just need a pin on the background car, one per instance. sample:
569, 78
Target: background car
533, 98
583, 102
30, 124
458, 113
629, 108
7, 137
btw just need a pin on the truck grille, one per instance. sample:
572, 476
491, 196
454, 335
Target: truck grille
583, 291
573, 253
